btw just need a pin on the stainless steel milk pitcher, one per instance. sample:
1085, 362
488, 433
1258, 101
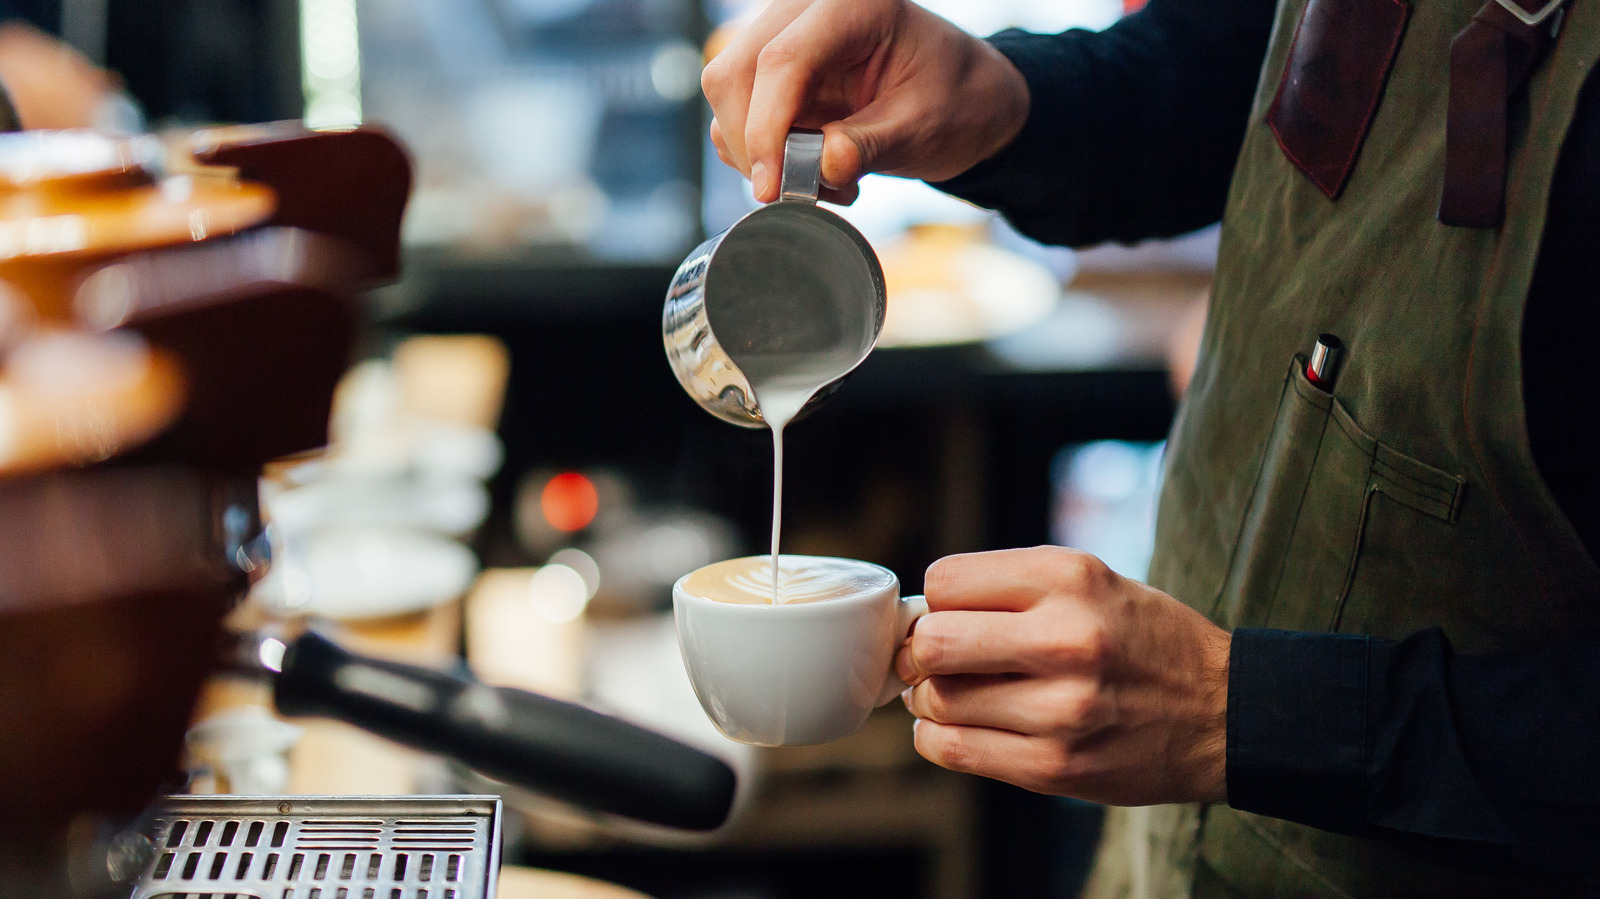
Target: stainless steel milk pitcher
790, 292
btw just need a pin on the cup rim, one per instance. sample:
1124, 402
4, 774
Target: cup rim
679, 593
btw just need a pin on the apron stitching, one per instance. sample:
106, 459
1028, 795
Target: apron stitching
1409, 491
1361, 530
1347, 423
1305, 488
1390, 473
1421, 502
1444, 484
1355, 560
1294, 857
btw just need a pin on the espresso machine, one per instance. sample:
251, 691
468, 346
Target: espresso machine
171, 318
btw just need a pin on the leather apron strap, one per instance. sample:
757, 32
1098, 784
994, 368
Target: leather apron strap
1489, 61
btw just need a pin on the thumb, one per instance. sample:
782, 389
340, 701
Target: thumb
878, 137
849, 149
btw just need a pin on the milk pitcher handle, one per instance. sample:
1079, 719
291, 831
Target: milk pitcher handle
802, 166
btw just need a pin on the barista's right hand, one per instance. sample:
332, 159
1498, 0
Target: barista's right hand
893, 87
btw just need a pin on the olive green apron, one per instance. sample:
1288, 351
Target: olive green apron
1407, 499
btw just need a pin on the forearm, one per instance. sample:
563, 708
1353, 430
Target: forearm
1409, 739
1132, 132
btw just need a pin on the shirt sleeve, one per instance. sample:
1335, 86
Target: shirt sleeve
1132, 132
1410, 739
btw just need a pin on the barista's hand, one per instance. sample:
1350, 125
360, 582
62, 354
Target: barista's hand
893, 87
1044, 668
51, 84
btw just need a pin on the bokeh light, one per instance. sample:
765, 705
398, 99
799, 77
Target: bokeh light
569, 502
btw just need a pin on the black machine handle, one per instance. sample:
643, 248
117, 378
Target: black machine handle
555, 748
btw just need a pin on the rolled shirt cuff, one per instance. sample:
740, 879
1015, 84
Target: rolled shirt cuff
1297, 726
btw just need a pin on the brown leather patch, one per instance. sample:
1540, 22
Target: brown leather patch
1338, 63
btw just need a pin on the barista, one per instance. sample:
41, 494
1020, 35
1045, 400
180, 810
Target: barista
1394, 687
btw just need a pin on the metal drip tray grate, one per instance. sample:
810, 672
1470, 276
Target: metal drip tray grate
323, 847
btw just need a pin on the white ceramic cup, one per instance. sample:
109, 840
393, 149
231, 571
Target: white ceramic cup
795, 673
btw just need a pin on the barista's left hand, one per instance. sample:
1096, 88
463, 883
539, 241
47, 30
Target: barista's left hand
1046, 669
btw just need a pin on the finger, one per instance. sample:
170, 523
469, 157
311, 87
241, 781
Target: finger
961, 642
720, 144
1032, 763
850, 145
786, 76
880, 137
842, 196
1064, 641
831, 187
726, 80
1012, 579
1025, 705
844, 160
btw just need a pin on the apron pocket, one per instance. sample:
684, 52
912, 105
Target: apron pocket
1398, 488
1329, 91
1296, 554
1295, 544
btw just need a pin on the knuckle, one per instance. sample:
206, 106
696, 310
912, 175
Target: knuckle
1065, 765
715, 77
957, 752
1076, 568
1097, 572
1089, 644
777, 54
1078, 646
1075, 706
941, 575
935, 703
929, 646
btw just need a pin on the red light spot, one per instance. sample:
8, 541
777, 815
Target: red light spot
569, 502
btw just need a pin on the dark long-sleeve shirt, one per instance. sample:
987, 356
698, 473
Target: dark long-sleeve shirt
1133, 133
45, 14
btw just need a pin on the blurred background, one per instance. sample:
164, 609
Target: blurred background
515, 479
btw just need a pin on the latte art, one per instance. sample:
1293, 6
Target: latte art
800, 579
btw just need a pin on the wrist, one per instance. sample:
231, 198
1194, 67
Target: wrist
1209, 764
1009, 100
999, 112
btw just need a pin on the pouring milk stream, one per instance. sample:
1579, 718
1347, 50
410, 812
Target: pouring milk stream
780, 396
763, 320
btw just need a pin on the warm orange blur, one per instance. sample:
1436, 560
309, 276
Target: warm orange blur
569, 502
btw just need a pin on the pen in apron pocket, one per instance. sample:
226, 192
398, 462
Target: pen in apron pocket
1324, 364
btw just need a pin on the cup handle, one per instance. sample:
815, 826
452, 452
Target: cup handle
802, 166
909, 609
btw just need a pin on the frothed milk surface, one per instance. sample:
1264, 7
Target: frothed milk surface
801, 579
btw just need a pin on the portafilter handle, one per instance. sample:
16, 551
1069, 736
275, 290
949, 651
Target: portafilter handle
554, 748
